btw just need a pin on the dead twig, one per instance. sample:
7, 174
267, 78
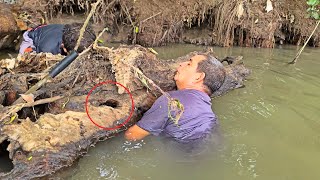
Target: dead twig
95, 44
16, 108
85, 51
125, 9
151, 17
164, 35
146, 79
33, 88
83, 29
43, 101
75, 80
34, 113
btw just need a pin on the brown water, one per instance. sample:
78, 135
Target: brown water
270, 128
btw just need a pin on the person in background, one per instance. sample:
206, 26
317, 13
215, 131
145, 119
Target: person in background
56, 39
196, 79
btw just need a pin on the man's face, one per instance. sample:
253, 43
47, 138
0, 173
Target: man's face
187, 73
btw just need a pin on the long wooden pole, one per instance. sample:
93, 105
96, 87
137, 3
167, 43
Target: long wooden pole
83, 29
305, 44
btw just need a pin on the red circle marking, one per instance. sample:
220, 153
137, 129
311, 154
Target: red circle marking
132, 105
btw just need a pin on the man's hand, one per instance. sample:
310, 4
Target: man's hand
135, 133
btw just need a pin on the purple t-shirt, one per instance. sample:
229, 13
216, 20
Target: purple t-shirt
196, 122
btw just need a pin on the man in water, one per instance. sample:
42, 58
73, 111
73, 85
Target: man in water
196, 80
56, 39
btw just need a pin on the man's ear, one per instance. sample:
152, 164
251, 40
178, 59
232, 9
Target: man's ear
200, 77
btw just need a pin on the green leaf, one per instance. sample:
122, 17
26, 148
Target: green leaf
313, 2
100, 41
315, 15
136, 29
29, 158
12, 118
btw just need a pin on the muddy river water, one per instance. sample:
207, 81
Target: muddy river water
268, 130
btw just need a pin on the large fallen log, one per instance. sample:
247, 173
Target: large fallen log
48, 137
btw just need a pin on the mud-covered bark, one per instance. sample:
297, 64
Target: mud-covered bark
8, 27
44, 143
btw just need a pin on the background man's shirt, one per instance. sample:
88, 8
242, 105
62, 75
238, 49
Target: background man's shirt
196, 122
47, 38
26, 43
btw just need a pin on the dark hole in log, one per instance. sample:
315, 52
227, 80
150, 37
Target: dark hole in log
110, 102
32, 82
6, 164
33, 114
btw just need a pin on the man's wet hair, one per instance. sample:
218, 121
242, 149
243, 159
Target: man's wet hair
71, 35
214, 73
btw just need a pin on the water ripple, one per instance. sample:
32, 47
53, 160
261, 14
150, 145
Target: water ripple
130, 145
108, 173
263, 108
245, 159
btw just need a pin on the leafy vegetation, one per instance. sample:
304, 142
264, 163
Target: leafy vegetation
314, 13
314, 9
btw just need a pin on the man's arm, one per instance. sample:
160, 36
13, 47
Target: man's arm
135, 133
153, 121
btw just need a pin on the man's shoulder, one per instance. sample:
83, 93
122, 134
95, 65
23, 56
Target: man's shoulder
42, 30
190, 94
53, 27
188, 91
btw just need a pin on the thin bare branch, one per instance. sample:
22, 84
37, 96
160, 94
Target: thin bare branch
305, 44
16, 108
85, 24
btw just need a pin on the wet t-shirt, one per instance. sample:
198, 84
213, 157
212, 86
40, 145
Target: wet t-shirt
196, 122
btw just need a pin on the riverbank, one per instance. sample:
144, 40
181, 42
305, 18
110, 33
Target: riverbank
152, 23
